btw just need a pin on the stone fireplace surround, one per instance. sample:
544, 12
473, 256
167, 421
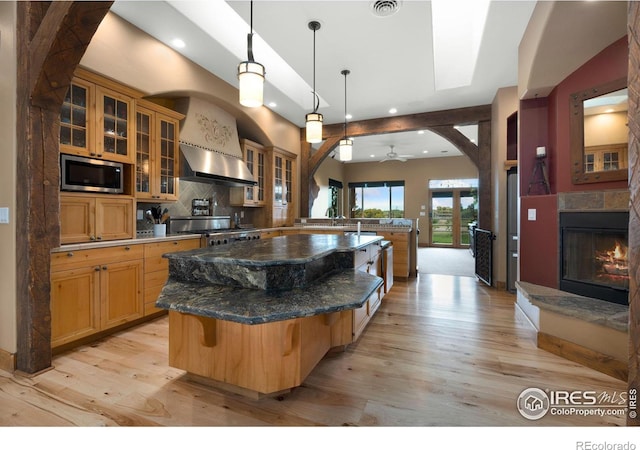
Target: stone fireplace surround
589, 331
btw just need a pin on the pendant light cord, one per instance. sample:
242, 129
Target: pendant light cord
316, 99
345, 72
250, 36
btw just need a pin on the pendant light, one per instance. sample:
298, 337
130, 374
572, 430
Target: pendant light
314, 119
345, 149
251, 75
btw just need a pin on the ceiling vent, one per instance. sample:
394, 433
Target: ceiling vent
384, 8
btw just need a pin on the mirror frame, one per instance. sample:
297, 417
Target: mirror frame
576, 135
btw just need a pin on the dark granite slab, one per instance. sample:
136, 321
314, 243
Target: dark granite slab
338, 291
285, 262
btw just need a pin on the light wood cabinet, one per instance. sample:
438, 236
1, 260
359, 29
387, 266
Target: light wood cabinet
89, 217
156, 268
157, 152
401, 253
94, 290
255, 158
96, 119
280, 187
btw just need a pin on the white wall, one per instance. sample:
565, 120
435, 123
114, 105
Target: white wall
8, 339
330, 168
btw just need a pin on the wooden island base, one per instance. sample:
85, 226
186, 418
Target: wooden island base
253, 360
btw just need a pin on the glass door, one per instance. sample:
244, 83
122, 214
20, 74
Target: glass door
442, 218
453, 210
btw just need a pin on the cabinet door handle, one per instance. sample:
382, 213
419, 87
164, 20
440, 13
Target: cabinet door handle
70, 254
97, 268
127, 248
175, 242
92, 238
104, 267
99, 238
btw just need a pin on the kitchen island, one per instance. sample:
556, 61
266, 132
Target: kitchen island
256, 317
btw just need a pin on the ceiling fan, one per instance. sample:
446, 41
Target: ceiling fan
393, 156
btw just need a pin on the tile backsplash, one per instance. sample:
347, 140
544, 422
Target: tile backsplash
188, 190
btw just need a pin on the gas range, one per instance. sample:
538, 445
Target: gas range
214, 230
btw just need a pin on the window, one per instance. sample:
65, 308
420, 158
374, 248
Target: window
378, 199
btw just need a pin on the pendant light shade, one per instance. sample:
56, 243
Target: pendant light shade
345, 148
251, 75
314, 119
314, 127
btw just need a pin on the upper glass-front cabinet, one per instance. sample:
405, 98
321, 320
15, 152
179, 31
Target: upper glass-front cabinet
96, 119
157, 151
115, 125
75, 118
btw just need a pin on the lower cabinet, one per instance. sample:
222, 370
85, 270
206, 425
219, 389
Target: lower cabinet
94, 290
401, 256
156, 268
90, 218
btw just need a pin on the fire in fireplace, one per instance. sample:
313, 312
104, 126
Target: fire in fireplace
593, 256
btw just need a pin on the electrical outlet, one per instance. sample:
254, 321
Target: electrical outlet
4, 215
242, 214
139, 214
531, 214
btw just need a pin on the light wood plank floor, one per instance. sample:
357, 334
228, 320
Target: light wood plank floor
442, 350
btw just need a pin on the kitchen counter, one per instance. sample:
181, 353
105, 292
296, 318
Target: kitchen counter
115, 243
271, 279
257, 316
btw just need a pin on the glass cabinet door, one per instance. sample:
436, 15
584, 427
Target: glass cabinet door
249, 157
277, 179
75, 118
143, 154
114, 126
168, 153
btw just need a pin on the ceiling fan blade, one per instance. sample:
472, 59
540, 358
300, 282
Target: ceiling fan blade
401, 159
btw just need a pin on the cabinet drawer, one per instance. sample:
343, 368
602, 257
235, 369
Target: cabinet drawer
362, 256
153, 259
82, 258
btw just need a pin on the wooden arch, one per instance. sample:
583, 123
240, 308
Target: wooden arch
51, 38
439, 122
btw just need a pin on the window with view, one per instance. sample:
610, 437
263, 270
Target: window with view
380, 199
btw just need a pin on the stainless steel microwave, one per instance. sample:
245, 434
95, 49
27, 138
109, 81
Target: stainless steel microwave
81, 174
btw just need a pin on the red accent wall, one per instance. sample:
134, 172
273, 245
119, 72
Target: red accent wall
608, 65
545, 122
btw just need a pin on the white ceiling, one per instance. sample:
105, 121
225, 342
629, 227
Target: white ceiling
390, 58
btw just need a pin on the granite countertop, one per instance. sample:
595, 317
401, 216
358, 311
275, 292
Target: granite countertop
610, 315
268, 280
278, 250
336, 292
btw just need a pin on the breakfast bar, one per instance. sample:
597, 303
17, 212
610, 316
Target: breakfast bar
257, 317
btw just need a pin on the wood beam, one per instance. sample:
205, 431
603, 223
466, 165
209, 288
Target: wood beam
51, 38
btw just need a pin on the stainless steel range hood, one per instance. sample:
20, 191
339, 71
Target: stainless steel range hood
209, 145
206, 166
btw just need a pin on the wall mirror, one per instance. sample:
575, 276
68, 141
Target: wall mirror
599, 133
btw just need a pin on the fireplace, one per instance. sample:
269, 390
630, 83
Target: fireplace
593, 255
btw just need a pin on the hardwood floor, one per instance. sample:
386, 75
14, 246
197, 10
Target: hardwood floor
441, 351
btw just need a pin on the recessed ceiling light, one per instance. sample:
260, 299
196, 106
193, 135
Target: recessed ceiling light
393, 111
273, 104
373, 156
425, 151
178, 43
348, 117
420, 131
